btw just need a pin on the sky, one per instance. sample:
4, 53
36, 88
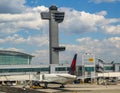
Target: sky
89, 26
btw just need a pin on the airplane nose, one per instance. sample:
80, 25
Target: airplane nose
75, 77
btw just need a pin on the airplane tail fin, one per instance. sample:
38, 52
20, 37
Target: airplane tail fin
73, 65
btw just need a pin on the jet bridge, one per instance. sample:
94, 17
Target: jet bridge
22, 77
109, 74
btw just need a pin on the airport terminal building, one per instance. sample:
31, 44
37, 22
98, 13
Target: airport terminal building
14, 58
19, 62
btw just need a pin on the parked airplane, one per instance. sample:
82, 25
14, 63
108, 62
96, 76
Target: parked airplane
62, 79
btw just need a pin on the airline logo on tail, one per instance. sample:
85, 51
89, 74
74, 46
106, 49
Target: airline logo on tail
73, 65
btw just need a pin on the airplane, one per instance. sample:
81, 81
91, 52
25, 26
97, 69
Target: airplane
62, 79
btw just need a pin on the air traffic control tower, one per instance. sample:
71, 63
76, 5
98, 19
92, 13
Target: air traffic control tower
54, 17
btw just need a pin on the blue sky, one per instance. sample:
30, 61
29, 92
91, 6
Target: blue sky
82, 5
89, 26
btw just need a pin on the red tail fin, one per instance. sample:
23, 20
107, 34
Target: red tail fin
73, 65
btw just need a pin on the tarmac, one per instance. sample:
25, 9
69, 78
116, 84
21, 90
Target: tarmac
85, 88
70, 88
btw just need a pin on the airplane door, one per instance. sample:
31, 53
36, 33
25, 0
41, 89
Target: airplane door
42, 77
38, 77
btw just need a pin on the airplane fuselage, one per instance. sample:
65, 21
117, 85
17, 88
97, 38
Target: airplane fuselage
56, 78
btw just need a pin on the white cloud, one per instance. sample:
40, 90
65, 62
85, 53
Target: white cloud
84, 39
12, 39
12, 6
112, 29
12, 49
81, 22
107, 49
101, 1
75, 21
104, 44
37, 9
41, 57
115, 41
12, 23
37, 40
102, 13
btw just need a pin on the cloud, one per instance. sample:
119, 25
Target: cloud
101, 1
105, 45
80, 22
12, 23
13, 49
115, 41
37, 40
108, 49
12, 6
102, 13
13, 39
30, 20
41, 57
77, 22
112, 29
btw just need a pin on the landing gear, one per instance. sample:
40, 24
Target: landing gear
45, 85
62, 86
